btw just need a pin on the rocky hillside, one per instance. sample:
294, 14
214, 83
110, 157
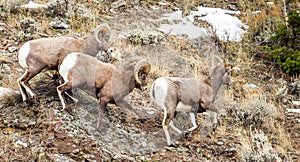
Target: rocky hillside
258, 113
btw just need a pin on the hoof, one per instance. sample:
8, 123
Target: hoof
70, 111
214, 127
30, 102
99, 133
34, 99
185, 134
142, 120
174, 144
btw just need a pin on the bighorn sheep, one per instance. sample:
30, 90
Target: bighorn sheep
191, 95
109, 84
48, 53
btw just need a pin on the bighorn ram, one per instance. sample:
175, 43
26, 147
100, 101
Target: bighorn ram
48, 53
188, 95
109, 84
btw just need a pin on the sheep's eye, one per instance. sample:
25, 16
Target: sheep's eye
143, 76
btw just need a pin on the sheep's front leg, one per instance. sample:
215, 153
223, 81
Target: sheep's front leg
193, 120
103, 102
215, 122
216, 114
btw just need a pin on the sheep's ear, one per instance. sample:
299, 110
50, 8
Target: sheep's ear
228, 67
102, 32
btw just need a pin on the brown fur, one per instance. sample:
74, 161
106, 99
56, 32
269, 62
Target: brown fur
109, 84
198, 94
48, 53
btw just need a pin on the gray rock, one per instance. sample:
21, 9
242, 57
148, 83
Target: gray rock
144, 37
118, 4
8, 92
12, 48
220, 143
59, 24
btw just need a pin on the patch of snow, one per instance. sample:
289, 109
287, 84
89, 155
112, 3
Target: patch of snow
21, 143
154, 8
183, 27
31, 4
250, 86
7, 91
256, 12
222, 23
236, 68
296, 103
202, 11
162, 3
225, 26
270, 3
293, 110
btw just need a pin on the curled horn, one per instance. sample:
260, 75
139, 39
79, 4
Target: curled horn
141, 66
100, 31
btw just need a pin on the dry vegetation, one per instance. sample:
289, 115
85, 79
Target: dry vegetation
254, 125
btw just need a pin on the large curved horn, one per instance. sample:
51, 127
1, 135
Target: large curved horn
101, 31
143, 66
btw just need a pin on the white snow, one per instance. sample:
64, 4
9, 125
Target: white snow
222, 23
154, 8
7, 91
297, 103
31, 4
293, 110
21, 143
162, 3
202, 11
183, 27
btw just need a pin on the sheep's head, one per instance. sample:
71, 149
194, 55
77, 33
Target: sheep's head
221, 74
227, 75
102, 35
141, 70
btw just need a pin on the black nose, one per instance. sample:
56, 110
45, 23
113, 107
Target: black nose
109, 50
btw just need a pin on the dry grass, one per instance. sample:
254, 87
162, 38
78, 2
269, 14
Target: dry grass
257, 147
271, 127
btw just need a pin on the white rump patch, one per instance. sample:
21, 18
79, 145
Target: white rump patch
160, 91
23, 54
67, 64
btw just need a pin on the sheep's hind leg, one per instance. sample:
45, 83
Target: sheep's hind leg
22, 89
165, 124
60, 90
175, 128
102, 102
23, 82
68, 92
